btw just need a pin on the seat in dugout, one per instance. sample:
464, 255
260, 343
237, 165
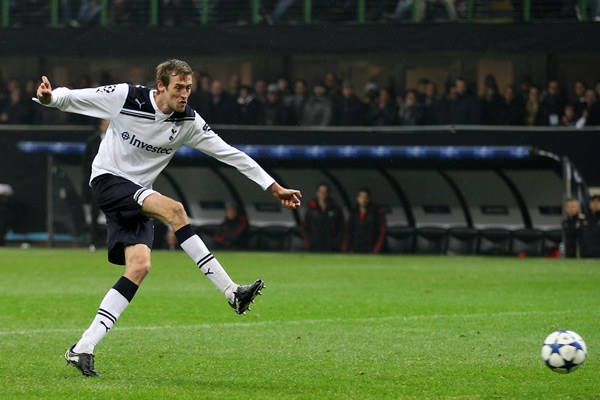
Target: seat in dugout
430, 240
400, 239
461, 240
494, 241
527, 242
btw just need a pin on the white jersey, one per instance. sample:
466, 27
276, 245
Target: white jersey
141, 139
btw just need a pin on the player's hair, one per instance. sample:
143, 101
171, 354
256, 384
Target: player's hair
175, 67
570, 199
365, 190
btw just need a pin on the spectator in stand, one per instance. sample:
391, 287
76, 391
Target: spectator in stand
371, 93
512, 110
591, 114
234, 85
333, 85
223, 107
404, 10
334, 90
318, 110
250, 107
88, 14
284, 91
433, 107
464, 110
260, 91
409, 110
16, 110
596, 87
272, 113
384, 112
522, 96
323, 223
421, 90
177, 12
533, 114
367, 227
352, 109
232, 232
199, 99
127, 12
572, 226
491, 104
279, 11
553, 104
295, 104
568, 118
579, 103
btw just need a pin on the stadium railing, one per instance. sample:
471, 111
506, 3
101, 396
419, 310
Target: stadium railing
303, 11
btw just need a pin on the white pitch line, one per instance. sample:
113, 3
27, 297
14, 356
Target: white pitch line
250, 324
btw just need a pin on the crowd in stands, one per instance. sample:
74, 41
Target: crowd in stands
336, 102
78, 13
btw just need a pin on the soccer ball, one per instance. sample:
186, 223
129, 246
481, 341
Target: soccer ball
564, 351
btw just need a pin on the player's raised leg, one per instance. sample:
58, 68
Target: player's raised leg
172, 212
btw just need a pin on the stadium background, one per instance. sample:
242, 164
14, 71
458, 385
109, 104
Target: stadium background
552, 42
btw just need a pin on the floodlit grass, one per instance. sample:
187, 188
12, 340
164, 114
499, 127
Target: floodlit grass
327, 327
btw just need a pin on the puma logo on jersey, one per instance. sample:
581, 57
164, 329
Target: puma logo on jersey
139, 103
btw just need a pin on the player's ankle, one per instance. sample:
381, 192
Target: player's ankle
84, 347
229, 291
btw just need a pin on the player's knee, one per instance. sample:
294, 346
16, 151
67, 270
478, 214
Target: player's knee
177, 212
139, 265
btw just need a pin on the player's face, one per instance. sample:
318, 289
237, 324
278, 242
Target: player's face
178, 91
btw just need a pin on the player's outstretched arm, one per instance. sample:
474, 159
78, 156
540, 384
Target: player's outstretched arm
44, 91
290, 198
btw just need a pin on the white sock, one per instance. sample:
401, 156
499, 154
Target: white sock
208, 264
113, 304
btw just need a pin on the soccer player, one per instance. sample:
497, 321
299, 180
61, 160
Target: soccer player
146, 128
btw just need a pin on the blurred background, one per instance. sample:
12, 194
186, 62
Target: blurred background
471, 122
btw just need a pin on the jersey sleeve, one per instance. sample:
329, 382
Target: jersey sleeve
203, 138
103, 102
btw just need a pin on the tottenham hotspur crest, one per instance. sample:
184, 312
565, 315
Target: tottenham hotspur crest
174, 132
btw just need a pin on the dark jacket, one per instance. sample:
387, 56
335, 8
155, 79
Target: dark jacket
352, 111
590, 237
573, 234
377, 116
231, 234
323, 230
512, 113
464, 111
366, 234
433, 111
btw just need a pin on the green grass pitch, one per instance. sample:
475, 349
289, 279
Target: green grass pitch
327, 327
